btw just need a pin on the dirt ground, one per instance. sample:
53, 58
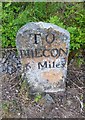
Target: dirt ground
17, 102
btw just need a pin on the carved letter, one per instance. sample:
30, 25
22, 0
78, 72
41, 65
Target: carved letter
47, 39
42, 66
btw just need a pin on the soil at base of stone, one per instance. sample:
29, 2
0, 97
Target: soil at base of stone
18, 103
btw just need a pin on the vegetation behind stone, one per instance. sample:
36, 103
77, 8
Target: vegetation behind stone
66, 15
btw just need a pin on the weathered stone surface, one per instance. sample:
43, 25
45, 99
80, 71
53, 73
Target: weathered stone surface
43, 49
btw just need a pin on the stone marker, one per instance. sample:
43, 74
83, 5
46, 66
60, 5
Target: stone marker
43, 49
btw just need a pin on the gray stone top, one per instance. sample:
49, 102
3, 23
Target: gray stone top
43, 25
